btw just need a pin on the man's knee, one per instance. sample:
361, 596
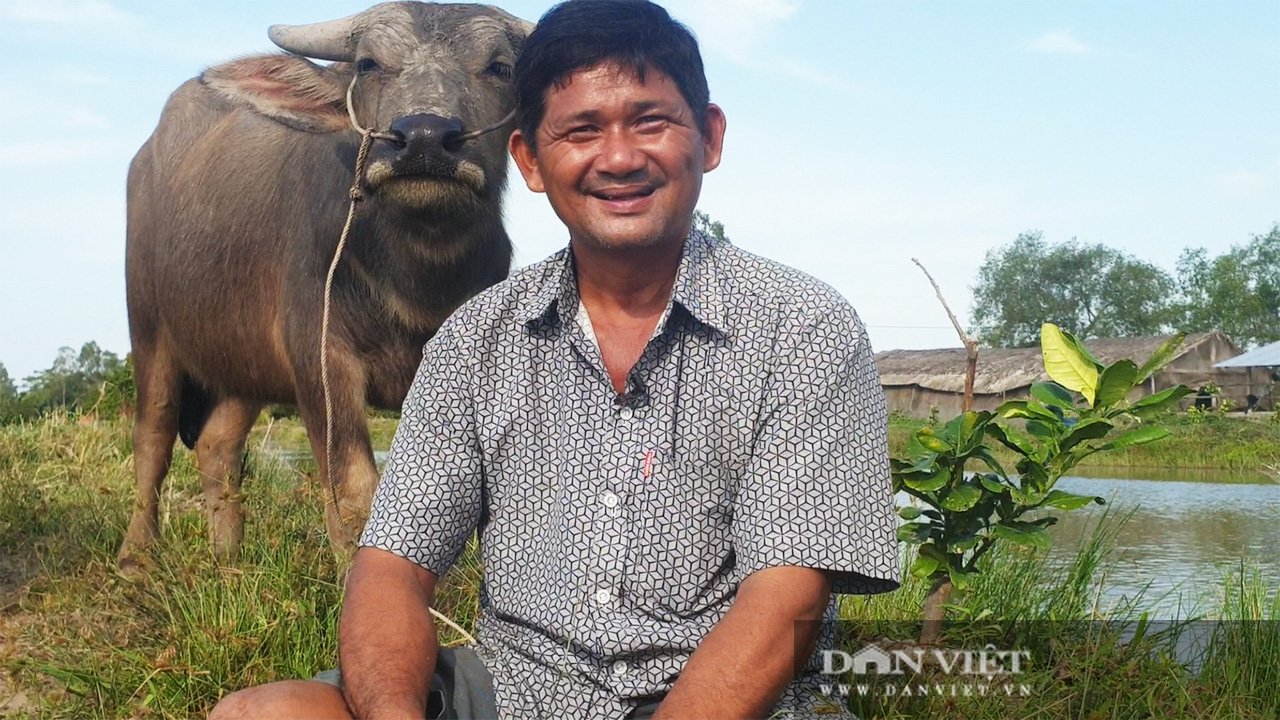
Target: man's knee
288, 699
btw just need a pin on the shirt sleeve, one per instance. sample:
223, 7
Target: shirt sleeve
817, 491
429, 498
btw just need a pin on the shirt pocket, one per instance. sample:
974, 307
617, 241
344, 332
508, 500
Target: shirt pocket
681, 560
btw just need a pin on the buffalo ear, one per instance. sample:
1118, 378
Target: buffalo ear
286, 88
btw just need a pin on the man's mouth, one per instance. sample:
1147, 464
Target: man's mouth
622, 194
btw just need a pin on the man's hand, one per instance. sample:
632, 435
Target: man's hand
749, 658
386, 640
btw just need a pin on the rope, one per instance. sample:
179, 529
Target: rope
367, 136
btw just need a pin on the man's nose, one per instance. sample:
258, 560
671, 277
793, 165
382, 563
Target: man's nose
621, 154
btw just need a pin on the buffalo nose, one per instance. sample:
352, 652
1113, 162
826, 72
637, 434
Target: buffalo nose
428, 134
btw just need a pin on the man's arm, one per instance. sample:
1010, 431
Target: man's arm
750, 656
387, 640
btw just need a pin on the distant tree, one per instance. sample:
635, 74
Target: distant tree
1237, 292
1088, 290
9, 408
7, 389
703, 222
76, 380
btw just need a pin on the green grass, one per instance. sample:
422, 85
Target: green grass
1198, 442
80, 641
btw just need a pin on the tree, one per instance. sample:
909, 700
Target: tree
1237, 292
1088, 290
709, 227
959, 515
75, 381
7, 389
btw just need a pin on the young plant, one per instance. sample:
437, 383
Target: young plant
965, 513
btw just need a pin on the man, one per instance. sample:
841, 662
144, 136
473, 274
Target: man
674, 452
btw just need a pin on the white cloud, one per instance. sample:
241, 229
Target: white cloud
1060, 42
67, 12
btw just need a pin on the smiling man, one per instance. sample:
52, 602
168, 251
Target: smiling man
674, 452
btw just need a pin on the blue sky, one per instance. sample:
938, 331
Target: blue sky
861, 134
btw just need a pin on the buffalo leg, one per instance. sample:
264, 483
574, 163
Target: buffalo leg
155, 428
354, 475
220, 457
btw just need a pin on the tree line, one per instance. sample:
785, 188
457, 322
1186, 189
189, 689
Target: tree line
92, 380
1095, 291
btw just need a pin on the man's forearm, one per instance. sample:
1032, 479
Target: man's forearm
748, 659
386, 639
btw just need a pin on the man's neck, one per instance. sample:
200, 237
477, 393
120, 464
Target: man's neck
633, 283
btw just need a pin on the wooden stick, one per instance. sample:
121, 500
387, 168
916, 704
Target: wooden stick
970, 345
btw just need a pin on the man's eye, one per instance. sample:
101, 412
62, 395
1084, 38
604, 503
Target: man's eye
582, 132
651, 122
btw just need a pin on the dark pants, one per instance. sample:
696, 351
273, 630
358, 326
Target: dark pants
462, 688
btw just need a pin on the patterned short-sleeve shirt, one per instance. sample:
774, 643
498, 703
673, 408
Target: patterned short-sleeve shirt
616, 529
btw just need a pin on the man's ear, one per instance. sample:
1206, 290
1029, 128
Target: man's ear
526, 158
713, 138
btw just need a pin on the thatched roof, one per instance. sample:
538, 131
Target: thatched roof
1003, 369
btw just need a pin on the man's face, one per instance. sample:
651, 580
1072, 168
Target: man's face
620, 160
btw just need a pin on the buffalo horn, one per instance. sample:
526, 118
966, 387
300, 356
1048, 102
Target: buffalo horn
330, 40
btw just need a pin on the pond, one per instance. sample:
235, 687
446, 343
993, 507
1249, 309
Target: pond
1187, 531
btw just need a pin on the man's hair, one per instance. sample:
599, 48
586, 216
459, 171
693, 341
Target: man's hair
582, 34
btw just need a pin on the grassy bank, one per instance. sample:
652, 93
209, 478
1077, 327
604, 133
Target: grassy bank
77, 640
1204, 441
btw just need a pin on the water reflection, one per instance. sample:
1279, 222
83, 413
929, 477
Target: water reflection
1181, 539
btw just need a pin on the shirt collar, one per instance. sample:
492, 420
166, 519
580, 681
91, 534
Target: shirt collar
697, 287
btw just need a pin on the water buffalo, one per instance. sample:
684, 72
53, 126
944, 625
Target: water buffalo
235, 205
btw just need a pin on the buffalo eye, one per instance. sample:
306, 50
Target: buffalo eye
367, 65
499, 69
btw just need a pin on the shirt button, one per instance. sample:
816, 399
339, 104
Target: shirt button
609, 499
626, 413
604, 596
620, 668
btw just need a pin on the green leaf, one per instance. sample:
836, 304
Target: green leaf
983, 454
1065, 362
992, 483
959, 578
961, 498
931, 442
915, 533
1051, 393
1021, 533
1140, 436
1068, 501
925, 482
1161, 356
1027, 496
1116, 382
909, 512
967, 543
1042, 431
1153, 404
924, 566
1088, 430
1025, 409
1014, 439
